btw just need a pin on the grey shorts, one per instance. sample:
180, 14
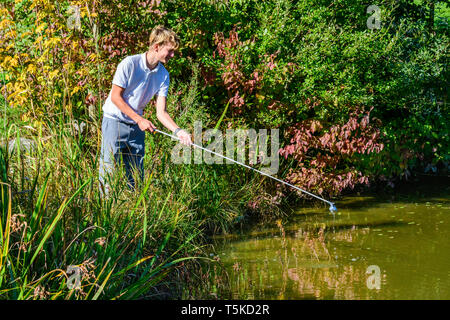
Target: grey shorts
121, 143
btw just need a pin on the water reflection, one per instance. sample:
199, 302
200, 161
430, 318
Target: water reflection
293, 268
317, 256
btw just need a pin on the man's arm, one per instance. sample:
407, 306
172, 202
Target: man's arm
164, 117
117, 99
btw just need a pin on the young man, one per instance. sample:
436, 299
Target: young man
137, 79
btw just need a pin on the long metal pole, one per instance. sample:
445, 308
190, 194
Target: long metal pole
332, 205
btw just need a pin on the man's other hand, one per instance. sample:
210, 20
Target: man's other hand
146, 125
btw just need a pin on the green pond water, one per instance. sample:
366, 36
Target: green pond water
390, 246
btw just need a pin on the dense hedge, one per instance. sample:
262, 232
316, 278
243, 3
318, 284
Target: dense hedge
353, 104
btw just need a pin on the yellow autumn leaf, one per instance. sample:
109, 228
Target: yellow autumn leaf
260, 97
37, 123
53, 74
12, 95
22, 77
67, 66
5, 23
43, 57
40, 27
27, 33
52, 42
19, 87
14, 62
75, 90
47, 43
31, 68
6, 60
11, 34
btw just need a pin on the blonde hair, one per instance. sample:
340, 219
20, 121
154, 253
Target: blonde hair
162, 35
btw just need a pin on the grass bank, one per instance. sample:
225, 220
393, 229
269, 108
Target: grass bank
61, 240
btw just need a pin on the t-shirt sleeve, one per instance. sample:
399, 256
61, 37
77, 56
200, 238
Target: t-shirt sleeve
163, 90
122, 74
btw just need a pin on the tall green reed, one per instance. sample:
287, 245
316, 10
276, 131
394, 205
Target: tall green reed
124, 245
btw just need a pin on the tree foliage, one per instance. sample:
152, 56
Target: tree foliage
292, 65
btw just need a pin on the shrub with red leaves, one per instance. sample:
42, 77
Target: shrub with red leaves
234, 79
324, 156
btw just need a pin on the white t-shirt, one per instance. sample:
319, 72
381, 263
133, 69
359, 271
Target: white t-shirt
140, 84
